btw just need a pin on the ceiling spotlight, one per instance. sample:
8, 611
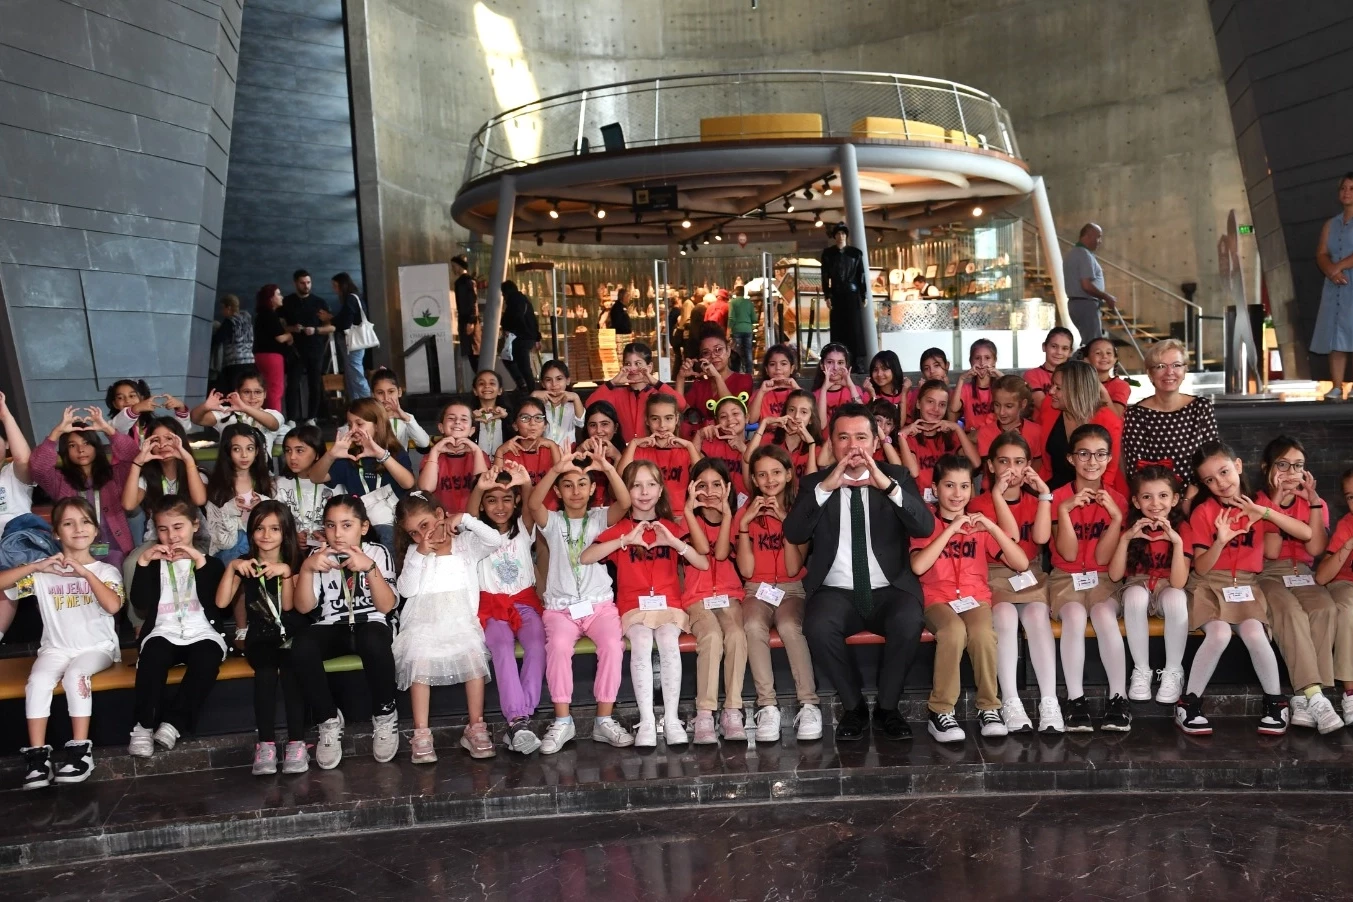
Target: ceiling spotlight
686, 220
817, 222
669, 230
789, 205
561, 236
598, 235
601, 212
706, 241
929, 210
719, 236
539, 240
807, 193
826, 187
683, 249
793, 228
976, 211
884, 212
554, 209
761, 211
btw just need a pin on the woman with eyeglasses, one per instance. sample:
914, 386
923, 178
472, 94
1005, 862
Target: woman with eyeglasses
1167, 427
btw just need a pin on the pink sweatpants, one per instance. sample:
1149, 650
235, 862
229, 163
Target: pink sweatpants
562, 633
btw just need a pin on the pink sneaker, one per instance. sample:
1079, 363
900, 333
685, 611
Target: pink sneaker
705, 733
265, 758
731, 722
477, 741
297, 759
423, 752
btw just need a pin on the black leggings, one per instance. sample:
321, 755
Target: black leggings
370, 641
271, 665
203, 660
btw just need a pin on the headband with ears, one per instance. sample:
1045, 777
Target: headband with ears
740, 397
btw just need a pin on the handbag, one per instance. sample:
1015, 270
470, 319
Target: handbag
362, 334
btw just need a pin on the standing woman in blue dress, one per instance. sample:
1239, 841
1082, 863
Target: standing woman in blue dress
1334, 323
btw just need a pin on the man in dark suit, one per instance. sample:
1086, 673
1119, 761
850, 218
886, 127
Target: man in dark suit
860, 517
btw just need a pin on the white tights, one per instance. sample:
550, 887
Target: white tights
641, 669
1216, 636
1174, 604
1038, 630
1105, 618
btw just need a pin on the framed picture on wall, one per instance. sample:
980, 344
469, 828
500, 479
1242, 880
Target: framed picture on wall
930, 271
952, 268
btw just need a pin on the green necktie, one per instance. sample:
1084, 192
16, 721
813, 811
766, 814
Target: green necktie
859, 553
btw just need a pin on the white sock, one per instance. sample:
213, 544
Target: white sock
1174, 605
1105, 617
1006, 620
1073, 649
1042, 647
641, 669
1216, 636
1255, 637
1136, 602
669, 662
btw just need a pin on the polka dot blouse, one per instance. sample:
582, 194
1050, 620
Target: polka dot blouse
1154, 436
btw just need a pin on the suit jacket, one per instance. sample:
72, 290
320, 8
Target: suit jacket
844, 274
891, 528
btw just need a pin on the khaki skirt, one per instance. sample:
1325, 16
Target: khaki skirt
1061, 591
655, 619
1207, 604
998, 577
1153, 607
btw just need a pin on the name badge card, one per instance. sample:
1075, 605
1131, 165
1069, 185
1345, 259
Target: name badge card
580, 610
966, 603
929, 496
770, 595
714, 602
652, 602
1237, 593
1082, 581
1021, 581
1294, 580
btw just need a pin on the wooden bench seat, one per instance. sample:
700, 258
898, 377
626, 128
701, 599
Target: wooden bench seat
761, 126
893, 129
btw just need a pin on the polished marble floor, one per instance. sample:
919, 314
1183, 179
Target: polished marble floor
1233, 847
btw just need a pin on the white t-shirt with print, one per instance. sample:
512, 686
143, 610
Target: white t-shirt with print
330, 594
509, 569
226, 418
180, 618
16, 496
170, 487
72, 618
306, 500
562, 585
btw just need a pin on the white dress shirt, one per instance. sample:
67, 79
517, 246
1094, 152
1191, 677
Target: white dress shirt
842, 572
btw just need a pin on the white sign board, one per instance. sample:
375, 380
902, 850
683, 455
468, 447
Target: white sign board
427, 309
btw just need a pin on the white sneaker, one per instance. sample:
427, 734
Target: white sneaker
808, 721
646, 737
1346, 705
992, 725
1139, 687
142, 744
768, 723
609, 731
166, 736
1299, 714
385, 736
1013, 716
329, 746
1050, 716
1171, 687
559, 732
1327, 720
674, 732
945, 728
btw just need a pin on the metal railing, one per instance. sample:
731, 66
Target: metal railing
428, 345
659, 111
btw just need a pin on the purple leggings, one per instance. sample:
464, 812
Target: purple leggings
518, 693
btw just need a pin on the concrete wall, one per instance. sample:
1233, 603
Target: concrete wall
115, 127
1289, 78
1121, 106
291, 200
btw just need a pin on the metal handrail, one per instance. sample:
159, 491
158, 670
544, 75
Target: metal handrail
428, 344
1138, 276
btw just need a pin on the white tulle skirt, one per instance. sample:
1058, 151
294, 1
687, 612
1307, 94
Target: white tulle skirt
440, 642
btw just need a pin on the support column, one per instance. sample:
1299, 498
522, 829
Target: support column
502, 240
850, 189
1052, 252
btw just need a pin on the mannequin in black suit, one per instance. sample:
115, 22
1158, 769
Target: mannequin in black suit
845, 282
873, 591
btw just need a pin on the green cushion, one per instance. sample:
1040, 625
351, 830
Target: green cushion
343, 664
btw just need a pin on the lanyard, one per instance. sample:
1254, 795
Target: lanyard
361, 476
273, 607
180, 605
97, 503
556, 423
349, 584
1083, 545
648, 561
575, 550
303, 515
778, 568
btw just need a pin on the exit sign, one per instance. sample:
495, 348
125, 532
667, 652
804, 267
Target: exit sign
1245, 229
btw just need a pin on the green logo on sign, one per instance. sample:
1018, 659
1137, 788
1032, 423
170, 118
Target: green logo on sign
426, 312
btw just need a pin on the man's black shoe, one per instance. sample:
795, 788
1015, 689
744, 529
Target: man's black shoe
853, 723
891, 724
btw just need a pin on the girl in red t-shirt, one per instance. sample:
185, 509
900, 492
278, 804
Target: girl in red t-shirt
834, 386
888, 418
886, 380
602, 424
629, 391
798, 432
645, 547
1010, 403
1103, 356
1087, 520
774, 594
672, 455
1336, 572
1056, 351
707, 379
952, 565
454, 462
529, 447
1152, 554
972, 399
1228, 531
725, 440
1301, 611
712, 604
930, 436
779, 377
1019, 501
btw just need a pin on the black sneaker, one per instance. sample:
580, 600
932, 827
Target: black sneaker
77, 762
891, 724
1117, 717
1078, 716
853, 723
1276, 714
1188, 716
37, 766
